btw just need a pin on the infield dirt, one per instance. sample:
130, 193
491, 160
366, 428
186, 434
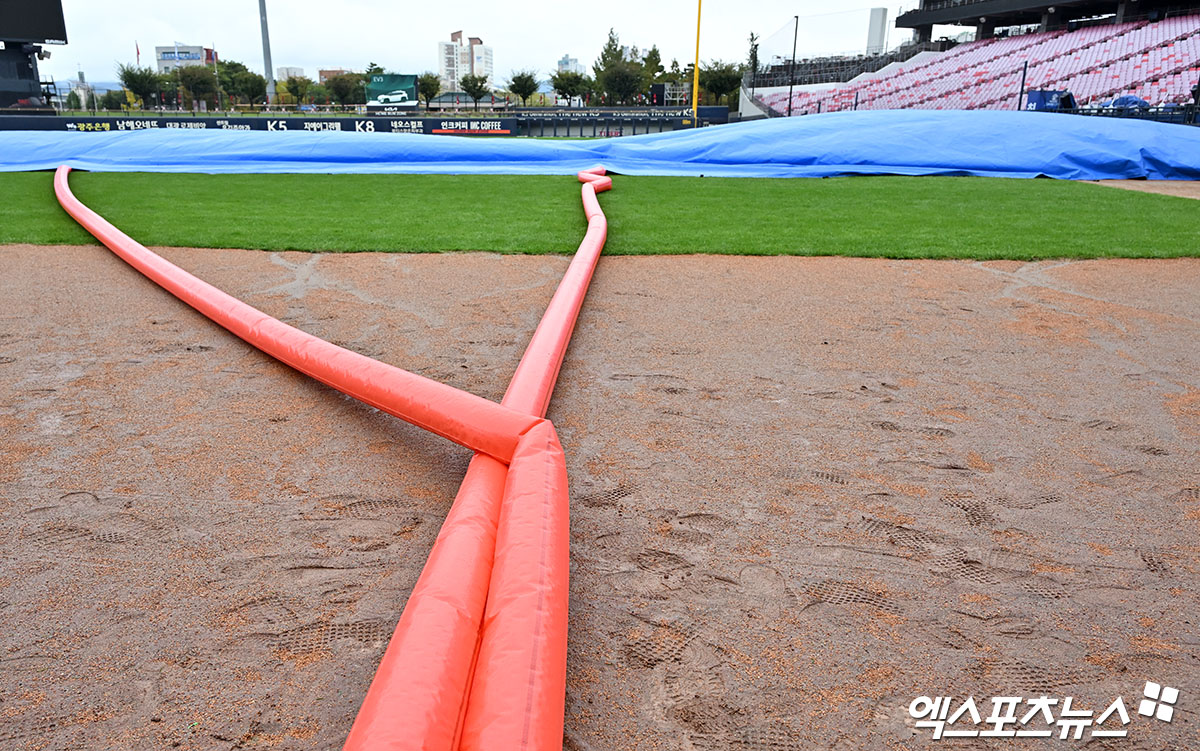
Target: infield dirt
805, 491
1181, 188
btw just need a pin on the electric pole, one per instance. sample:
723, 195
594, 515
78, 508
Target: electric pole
262, 13
792, 67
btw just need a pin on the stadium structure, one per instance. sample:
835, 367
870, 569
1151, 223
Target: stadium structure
1097, 51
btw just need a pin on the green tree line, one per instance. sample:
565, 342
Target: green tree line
232, 83
620, 76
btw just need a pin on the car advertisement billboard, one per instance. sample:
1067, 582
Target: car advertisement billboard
389, 92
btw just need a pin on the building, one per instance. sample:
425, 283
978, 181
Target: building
325, 74
178, 55
877, 32
569, 64
285, 72
456, 59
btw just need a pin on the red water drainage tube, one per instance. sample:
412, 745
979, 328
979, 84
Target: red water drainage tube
453, 675
421, 697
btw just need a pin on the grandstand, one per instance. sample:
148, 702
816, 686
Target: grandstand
1097, 58
837, 68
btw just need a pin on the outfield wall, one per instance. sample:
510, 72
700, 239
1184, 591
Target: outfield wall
543, 122
984, 143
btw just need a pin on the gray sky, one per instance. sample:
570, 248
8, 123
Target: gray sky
402, 37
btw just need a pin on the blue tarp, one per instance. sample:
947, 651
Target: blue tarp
890, 142
1129, 100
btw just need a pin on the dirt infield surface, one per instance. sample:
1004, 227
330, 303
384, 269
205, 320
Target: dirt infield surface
1181, 188
805, 492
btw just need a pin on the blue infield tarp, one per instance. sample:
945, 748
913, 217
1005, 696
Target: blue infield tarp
891, 142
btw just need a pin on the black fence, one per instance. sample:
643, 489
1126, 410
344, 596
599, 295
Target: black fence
600, 127
1180, 115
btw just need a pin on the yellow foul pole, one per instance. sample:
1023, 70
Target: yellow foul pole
696, 73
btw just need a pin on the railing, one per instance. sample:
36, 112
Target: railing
833, 69
595, 127
1188, 114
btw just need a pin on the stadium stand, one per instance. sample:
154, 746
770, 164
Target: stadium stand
1156, 61
837, 68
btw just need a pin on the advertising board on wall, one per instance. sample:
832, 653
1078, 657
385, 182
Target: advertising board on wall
496, 126
392, 92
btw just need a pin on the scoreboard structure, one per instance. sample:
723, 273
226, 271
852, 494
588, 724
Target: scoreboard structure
25, 25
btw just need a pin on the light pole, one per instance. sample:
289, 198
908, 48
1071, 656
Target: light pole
792, 67
262, 13
696, 73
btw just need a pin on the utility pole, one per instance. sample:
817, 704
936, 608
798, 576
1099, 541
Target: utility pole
792, 67
216, 74
262, 13
1021, 92
696, 73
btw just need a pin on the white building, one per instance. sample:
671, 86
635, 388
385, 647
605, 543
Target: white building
456, 59
178, 55
569, 65
286, 72
877, 31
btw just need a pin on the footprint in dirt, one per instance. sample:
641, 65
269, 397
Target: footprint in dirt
654, 642
976, 509
655, 575
694, 529
769, 591
268, 612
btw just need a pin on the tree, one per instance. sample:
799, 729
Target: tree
475, 87
622, 82
113, 99
374, 69
318, 93
143, 82
524, 84
753, 59
621, 77
198, 80
611, 55
241, 83
249, 86
227, 73
569, 85
348, 88
428, 86
675, 75
73, 102
652, 67
720, 79
298, 87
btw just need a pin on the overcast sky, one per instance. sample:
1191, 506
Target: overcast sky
402, 37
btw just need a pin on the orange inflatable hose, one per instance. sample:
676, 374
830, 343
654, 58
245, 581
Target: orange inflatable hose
517, 697
417, 699
533, 382
417, 696
464, 418
454, 675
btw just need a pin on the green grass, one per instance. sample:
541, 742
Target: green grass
896, 217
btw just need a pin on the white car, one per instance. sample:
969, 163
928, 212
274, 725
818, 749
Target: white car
393, 97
